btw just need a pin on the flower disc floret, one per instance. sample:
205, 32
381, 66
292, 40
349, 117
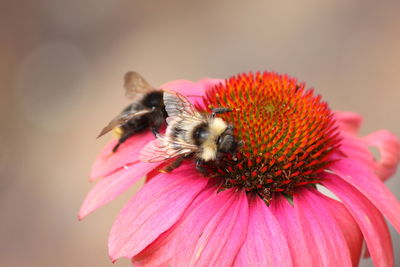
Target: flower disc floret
288, 133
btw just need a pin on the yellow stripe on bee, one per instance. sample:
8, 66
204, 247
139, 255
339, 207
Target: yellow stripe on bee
118, 132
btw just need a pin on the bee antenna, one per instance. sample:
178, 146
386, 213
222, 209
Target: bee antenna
220, 110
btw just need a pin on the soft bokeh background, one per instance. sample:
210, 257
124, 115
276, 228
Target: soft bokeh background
61, 68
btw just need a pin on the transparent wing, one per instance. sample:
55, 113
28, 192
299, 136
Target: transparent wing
135, 84
164, 148
178, 105
121, 119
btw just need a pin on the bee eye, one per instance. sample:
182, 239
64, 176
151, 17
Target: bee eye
226, 143
219, 140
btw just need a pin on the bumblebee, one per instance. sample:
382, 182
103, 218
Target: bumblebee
147, 110
190, 133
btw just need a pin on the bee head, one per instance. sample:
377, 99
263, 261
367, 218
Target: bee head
226, 142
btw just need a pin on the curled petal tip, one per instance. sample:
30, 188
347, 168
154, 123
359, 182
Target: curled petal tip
113, 260
348, 121
388, 145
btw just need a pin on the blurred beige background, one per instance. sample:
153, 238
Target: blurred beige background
61, 67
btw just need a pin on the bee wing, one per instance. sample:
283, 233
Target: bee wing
177, 105
121, 119
164, 148
135, 84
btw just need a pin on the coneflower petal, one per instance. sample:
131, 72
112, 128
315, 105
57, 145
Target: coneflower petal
265, 244
348, 121
302, 253
349, 227
192, 90
112, 186
368, 217
321, 229
351, 145
371, 187
153, 210
214, 232
389, 148
356, 148
108, 162
161, 251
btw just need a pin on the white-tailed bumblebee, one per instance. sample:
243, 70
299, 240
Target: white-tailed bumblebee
147, 110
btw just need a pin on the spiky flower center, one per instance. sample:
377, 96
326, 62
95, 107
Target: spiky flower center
288, 133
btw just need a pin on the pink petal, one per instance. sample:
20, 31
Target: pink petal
214, 232
265, 244
347, 224
387, 144
368, 218
354, 147
321, 229
186, 88
348, 121
303, 254
153, 210
371, 187
209, 83
108, 162
192, 90
112, 186
389, 148
162, 250
357, 148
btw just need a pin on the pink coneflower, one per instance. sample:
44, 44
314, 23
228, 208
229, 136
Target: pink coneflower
263, 205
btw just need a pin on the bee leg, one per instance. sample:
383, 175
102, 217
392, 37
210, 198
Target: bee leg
175, 164
154, 130
199, 165
240, 143
221, 110
159, 120
116, 147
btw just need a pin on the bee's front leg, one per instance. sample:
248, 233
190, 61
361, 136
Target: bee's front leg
155, 131
175, 164
158, 121
199, 165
